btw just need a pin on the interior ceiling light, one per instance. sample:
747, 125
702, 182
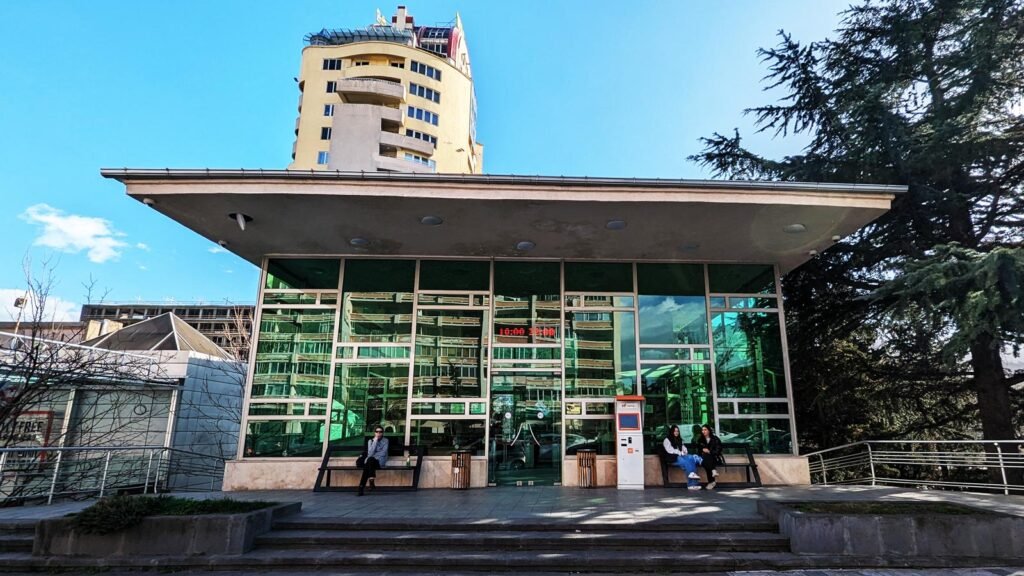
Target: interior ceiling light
524, 245
242, 219
359, 242
794, 228
431, 220
615, 224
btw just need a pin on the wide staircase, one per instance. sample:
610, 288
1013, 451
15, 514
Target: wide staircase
529, 546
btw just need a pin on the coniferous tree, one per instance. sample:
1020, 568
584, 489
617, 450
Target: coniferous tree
899, 330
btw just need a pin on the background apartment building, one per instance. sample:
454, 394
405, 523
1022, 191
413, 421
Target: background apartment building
393, 97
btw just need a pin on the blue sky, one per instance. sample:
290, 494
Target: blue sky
598, 88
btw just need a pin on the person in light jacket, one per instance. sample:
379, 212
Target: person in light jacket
376, 458
673, 446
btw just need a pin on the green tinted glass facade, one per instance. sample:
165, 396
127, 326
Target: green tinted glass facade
516, 361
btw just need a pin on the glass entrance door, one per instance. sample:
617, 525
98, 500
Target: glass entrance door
526, 430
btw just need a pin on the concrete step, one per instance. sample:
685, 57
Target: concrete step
16, 542
580, 562
458, 541
752, 524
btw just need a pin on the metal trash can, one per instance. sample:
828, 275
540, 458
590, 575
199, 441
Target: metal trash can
586, 467
461, 465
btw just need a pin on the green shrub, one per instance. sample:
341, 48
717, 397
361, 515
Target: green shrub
109, 515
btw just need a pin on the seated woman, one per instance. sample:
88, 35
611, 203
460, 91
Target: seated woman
709, 448
376, 458
673, 446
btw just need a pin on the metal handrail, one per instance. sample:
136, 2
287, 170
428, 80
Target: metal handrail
932, 463
175, 468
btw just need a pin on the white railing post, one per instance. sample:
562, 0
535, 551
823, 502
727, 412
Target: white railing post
871, 462
1002, 469
149, 465
3, 462
53, 482
106, 466
824, 475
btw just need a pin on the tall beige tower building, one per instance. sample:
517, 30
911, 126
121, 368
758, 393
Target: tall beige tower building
391, 97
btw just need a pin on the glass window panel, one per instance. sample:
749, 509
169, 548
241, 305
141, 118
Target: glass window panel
726, 408
442, 436
765, 435
385, 352
455, 275
598, 277
574, 408
527, 302
286, 273
366, 395
763, 407
670, 279
741, 279
735, 302
589, 434
748, 355
507, 353
293, 354
478, 408
291, 298
676, 394
329, 299
600, 354
701, 354
276, 409
284, 438
717, 301
451, 354
664, 353
318, 409
453, 408
379, 275
673, 320
377, 317
443, 300
599, 408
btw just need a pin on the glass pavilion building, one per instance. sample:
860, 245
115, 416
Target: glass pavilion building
503, 314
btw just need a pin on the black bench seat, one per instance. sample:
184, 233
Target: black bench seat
396, 465
742, 457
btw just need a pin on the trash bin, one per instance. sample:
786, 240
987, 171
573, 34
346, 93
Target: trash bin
586, 466
461, 465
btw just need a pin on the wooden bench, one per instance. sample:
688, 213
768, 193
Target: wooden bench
396, 464
753, 477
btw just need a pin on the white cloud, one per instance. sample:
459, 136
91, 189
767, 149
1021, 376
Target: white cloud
72, 233
216, 250
54, 310
229, 271
143, 267
142, 246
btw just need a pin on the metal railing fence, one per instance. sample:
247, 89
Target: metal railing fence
948, 464
48, 473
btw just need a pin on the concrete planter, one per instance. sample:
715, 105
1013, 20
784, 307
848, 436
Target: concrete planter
984, 535
162, 535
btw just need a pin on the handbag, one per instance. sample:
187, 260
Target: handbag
361, 461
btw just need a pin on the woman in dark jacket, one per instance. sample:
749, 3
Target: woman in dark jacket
709, 448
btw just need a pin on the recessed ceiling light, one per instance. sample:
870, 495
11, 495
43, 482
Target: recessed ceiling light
222, 243
431, 220
794, 228
837, 238
524, 245
359, 242
812, 252
689, 246
615, 224
148, 201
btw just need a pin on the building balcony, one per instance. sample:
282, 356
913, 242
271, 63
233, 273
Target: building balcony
396, 141
388, 164
371, 91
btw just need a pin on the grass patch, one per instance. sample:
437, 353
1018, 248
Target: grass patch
118, 513
886, 508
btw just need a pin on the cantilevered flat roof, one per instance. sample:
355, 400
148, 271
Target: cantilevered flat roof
302, 212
